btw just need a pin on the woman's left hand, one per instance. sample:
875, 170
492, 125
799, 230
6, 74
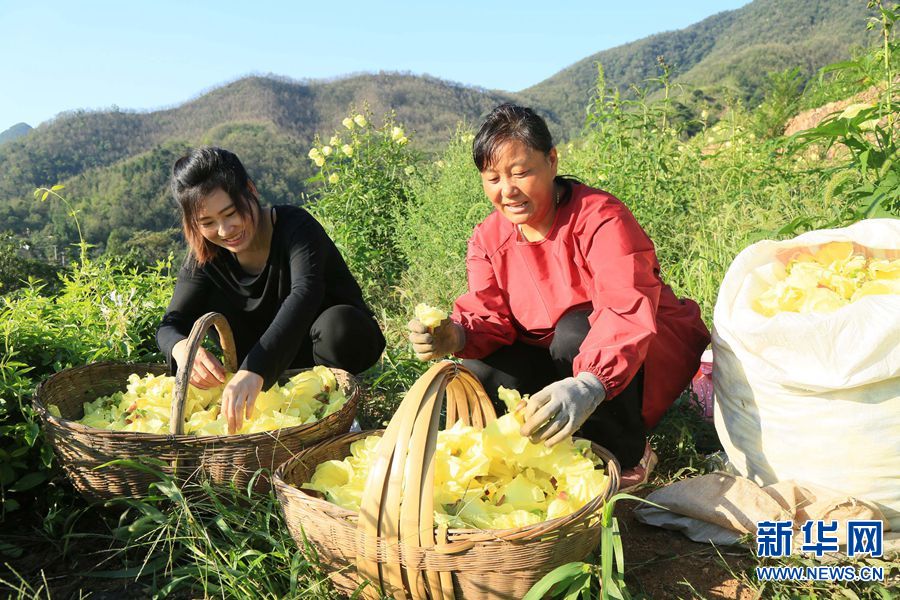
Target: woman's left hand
558, 410
239, 397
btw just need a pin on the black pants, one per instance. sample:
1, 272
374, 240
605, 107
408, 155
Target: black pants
616, 424
344, 337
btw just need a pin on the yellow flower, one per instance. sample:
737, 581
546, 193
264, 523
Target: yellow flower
396, 133
314, 153
868, 125
360, 120
347, 149
335, 141
402, 140
347, 122
853, 110
334, 178
429, 316
327, 150
319, 160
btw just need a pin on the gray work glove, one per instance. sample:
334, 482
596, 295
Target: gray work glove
446, 338
558, 410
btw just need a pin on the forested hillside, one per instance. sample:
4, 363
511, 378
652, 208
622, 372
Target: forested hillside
733, 50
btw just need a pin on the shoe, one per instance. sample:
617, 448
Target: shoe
638, 475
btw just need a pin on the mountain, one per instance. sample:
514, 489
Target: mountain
734, 49
108, 159
115, 164
16, 131
74, 142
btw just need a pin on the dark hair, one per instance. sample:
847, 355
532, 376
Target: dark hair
505, 123
198, 174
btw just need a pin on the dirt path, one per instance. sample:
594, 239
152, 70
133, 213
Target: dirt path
662, 564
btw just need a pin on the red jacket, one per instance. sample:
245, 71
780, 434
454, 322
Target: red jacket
595, 256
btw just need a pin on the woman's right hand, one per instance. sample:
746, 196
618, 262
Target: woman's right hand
446, 338
207, 372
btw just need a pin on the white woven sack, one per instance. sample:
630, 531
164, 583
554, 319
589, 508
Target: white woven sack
811, 397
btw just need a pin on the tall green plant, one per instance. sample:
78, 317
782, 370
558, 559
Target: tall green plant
447, 203
783, 90
364, 173
573, 581
863, 137
53, 192
103, 310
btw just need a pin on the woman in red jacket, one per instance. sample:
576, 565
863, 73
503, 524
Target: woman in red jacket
566, 302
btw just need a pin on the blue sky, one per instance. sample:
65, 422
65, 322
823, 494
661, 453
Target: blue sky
66, 55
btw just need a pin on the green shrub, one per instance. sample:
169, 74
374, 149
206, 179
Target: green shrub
364, 172
447, 202
103, 311
863, 136
16, 271
782, 97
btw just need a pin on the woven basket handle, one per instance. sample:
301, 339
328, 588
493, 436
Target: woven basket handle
183, 378
398, 500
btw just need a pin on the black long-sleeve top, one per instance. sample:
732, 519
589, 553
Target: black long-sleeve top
269, 313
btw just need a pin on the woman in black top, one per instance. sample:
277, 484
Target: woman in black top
273, 273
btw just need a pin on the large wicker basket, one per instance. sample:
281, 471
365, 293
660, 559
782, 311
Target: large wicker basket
222, 458
392, 542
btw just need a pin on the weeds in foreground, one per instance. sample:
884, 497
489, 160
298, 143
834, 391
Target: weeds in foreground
580, 580
19, 588
195, 540
683, 441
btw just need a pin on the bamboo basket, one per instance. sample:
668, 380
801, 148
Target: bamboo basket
392, 542
82, 451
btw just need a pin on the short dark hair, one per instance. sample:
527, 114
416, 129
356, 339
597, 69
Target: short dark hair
198, 174
505, 123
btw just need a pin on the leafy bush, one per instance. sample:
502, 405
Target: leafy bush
447, 202
103, 311
364, 172
867, 173
16, 271
782, 97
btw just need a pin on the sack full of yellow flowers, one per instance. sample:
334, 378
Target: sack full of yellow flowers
99, 413
471, 511
806, 341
